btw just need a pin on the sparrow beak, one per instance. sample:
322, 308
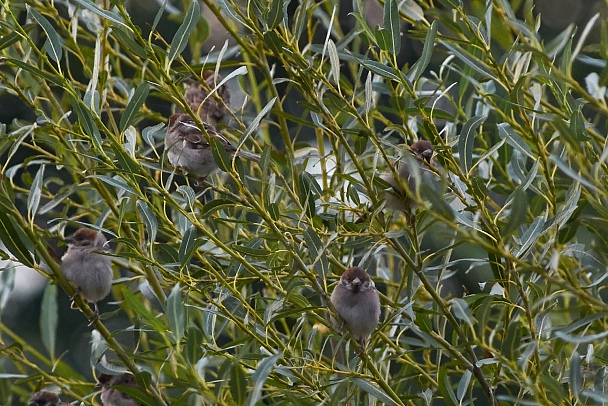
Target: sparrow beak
356, 282
427, 154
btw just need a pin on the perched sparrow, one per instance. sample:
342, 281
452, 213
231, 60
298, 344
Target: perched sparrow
188, 148
357, 302
85, 266
398, 198
114, 397
212, 110
44, 398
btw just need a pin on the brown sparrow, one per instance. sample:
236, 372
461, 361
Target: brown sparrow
114, 397
188, 148
356, 300
45, 398
84, 265
398, 198
211, 110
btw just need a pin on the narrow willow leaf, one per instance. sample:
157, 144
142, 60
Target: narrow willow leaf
215, 205
180, 39
9, 39
469, 60
15, 240
238, 383
149, 219
427, 52
33, 199
128, 42
334, 61
392, 25
260, 375
153, 134
445, 387
378, 68
463, 386
256, 121
219, 154
299, 19
86, 121
373, 390
230, 12
7, 282
564, 167
108, 15
188, 194
137, 100
366, 30
581, 339
275, 14
187, 246
194, 338
518, 210
53, 43
576, 378
369, 95
49, 318
115, 181
35, 71
466, 141
141, 311
531, 236
176, 313
511, 342
461, 310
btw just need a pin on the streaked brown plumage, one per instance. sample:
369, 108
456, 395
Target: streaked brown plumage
187, 147
210, 110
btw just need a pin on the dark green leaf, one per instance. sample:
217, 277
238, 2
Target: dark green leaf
49, 318
466, 141
275, 14
373, 390
116, 181
392, 25
137, 306
260, 375
576, 379
108, 15
33, 199
427, 51
15, 240
147, 215
445, 387
517, 213
180, 39
176, 313
53, 42
137, 100
219, 154
194, 339
86, 121
238, 383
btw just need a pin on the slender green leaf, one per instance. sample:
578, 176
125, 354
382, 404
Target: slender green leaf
137, 100
115, 181
149, 219
427, 51
334, 61
517, 214
49, 318
53, 43
180, 39
576, 378
373, 390
466, 141
33, 199
275, 14
108, 15
219, 154
176, 313
138, 308
260, 375
445, 387
392, 25
15, 240
238, 383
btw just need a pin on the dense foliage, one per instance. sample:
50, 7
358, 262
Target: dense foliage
492, 291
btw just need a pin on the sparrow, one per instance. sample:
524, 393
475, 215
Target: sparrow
114, 397
210, 110
399, 199
84, 265
187, 147
356, 300
45, 398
